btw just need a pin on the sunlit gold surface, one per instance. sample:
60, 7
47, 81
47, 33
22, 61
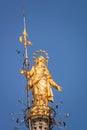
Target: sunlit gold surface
24, 38
40, 110
40, 81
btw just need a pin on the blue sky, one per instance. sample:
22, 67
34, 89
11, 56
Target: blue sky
60, 28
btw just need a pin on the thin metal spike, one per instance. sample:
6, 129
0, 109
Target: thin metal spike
24, 18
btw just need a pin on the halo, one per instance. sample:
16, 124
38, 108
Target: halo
40, 51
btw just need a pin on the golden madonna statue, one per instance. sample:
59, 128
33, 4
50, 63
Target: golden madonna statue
40, 81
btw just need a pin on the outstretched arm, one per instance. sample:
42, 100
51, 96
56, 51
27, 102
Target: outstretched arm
52, 83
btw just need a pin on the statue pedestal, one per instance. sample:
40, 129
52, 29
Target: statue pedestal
39, 118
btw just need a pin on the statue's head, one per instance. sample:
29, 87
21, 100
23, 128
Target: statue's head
41, 59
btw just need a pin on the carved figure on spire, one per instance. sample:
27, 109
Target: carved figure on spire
40, 81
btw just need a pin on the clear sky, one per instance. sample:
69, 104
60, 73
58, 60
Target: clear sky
60, 28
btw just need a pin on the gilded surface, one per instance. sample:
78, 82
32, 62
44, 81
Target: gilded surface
24, 37
40, 81
40, 110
